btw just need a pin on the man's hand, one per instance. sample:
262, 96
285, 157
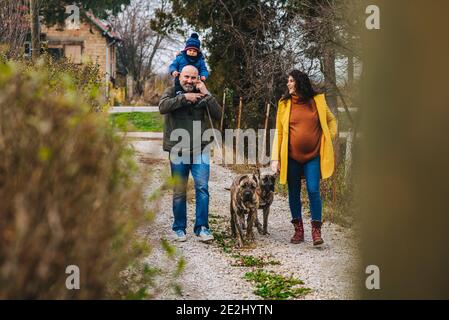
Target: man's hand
193, 97
201, 87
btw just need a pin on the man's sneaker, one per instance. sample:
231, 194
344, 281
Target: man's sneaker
180, 236
205, 235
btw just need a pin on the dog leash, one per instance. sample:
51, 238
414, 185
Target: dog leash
213, 131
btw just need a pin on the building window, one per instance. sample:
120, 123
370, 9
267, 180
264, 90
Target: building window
73, 53
55, 53
27, 52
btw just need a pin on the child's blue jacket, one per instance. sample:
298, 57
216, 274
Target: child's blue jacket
183, 60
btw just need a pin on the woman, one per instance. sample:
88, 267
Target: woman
302, 146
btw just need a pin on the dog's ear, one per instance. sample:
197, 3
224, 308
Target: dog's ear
242, 177
256, 178
257, 175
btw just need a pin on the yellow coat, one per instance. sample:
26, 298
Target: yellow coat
329, 128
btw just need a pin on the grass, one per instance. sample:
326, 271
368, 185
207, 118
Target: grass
272, 286
222, 237
267, 285
138, 121
251, 261
224, 240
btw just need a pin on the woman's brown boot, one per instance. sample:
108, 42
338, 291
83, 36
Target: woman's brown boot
316, 233
298, 237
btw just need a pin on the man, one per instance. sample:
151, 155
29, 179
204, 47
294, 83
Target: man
183, 107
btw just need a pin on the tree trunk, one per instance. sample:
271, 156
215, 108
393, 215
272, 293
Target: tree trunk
350, 71
34, 24
330, 80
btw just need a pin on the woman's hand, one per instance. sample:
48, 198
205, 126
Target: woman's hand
275, 166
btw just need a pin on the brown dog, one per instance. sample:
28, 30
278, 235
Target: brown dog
267, 183
245, 193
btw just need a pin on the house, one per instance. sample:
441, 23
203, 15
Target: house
91, 39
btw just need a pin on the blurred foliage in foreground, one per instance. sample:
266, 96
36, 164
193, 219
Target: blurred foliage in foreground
68, 187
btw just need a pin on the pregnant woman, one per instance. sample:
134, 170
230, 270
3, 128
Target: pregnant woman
302, 147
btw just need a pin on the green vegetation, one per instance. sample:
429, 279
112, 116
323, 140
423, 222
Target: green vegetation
251, 261
274, 286
71, 191
139, 281
268, 285
138, 121
224, 240
221, 235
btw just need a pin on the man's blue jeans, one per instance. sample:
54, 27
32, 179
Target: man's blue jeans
200, 172
312, 173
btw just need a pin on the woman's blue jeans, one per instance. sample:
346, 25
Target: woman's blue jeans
311, 171
200, 170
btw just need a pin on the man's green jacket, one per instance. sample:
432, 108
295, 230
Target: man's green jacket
179, 113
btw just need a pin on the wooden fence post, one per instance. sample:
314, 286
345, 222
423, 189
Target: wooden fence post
348, 155
129, 87
223, 111
267, 115
238, 122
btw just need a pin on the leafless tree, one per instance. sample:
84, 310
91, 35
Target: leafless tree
141, 44
13, 25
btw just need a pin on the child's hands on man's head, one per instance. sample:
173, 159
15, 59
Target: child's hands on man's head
203, 78
175, 74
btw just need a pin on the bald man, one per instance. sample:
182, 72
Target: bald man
184, 107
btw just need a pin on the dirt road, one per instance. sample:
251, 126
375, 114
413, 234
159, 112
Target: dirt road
211, 271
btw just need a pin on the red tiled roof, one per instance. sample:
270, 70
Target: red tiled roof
103, 25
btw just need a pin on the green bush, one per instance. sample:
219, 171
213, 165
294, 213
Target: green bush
337, 196
84, 78
68, 191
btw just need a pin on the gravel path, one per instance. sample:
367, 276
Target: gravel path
209, 273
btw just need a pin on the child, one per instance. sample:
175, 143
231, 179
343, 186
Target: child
191, 55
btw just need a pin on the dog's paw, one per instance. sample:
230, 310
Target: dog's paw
239, 245
251, 238
263, 231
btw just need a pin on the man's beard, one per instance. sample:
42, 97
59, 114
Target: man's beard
188, 87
